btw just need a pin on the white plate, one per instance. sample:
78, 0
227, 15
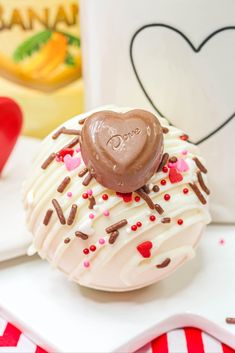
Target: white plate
14, 238
64, 317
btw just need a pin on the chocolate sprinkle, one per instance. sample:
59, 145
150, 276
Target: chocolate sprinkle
64, 184
165, 130
165, 263
173, 159
198, 193
146, 198
146, 189
156, 188
92, 202
59, 211
72, 215
83, 172
166, 220
48, 161
158, 208
58, 133
65, 131
202, 184
116, 226
200, 165
71, 144
71, 132
113, 237
230, 320
87, 179
82, 121
163, 161
47, 217
81, 235
67, 240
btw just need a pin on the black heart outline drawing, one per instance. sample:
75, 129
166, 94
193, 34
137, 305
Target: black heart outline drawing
196, 50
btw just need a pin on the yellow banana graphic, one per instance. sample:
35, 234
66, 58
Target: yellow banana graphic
45, 69
51, 55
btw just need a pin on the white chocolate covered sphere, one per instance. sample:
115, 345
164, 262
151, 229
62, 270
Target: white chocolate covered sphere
70, 222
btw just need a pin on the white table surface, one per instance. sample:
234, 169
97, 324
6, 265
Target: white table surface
14, 237
64, 317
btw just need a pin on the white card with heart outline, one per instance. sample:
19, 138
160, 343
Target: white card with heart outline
177, 59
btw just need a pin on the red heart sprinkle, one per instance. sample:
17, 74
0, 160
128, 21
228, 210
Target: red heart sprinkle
10, 127
126, 197
64, 152
144, 248
174, 176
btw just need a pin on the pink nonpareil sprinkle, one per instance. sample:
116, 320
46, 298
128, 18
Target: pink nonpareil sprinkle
106, 213
78, 150
101, 241
69, 194
89, 192
221, 242
184, 152
91, 216
86, 264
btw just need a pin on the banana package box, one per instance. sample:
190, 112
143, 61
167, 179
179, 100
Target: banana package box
40, 61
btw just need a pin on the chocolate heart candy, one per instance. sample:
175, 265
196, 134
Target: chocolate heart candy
122, 150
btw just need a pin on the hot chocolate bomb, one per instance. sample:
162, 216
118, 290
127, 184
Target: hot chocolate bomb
117, 199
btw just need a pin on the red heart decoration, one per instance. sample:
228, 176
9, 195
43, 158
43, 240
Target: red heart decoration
10, 127
175, 176
144, 248
127, 197
63, 153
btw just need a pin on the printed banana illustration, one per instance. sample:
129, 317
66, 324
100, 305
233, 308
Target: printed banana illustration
44, 61
51, 55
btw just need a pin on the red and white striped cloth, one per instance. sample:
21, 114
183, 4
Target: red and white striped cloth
187, 340
12, 340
